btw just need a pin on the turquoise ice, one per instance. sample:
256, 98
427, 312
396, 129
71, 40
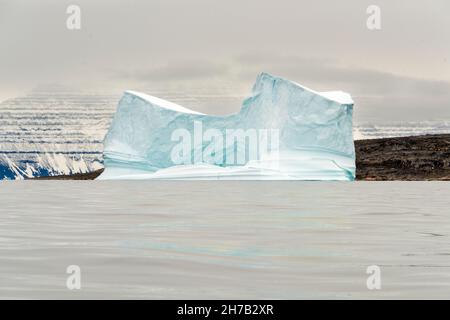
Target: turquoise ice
283, 131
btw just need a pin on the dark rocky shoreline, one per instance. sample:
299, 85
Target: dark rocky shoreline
407, 158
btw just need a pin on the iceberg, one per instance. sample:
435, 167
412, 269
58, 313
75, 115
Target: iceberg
284, 131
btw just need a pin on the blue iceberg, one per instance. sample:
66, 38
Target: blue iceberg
283, 131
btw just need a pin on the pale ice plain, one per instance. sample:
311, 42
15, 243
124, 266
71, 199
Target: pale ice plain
217, 240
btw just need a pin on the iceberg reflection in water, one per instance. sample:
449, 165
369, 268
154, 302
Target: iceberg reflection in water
284, 131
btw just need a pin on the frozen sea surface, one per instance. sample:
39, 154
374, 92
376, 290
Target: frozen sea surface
153, 239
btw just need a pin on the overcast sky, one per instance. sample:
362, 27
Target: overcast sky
399, 72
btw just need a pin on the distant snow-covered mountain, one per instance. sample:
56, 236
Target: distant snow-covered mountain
53, 133
399, 129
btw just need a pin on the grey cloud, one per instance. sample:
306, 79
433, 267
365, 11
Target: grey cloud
224, 44
178, 70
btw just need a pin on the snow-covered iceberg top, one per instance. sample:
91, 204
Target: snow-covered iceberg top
284, 131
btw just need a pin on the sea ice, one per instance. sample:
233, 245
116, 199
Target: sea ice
283, 131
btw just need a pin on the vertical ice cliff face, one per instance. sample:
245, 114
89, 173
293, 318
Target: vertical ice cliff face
283, 131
